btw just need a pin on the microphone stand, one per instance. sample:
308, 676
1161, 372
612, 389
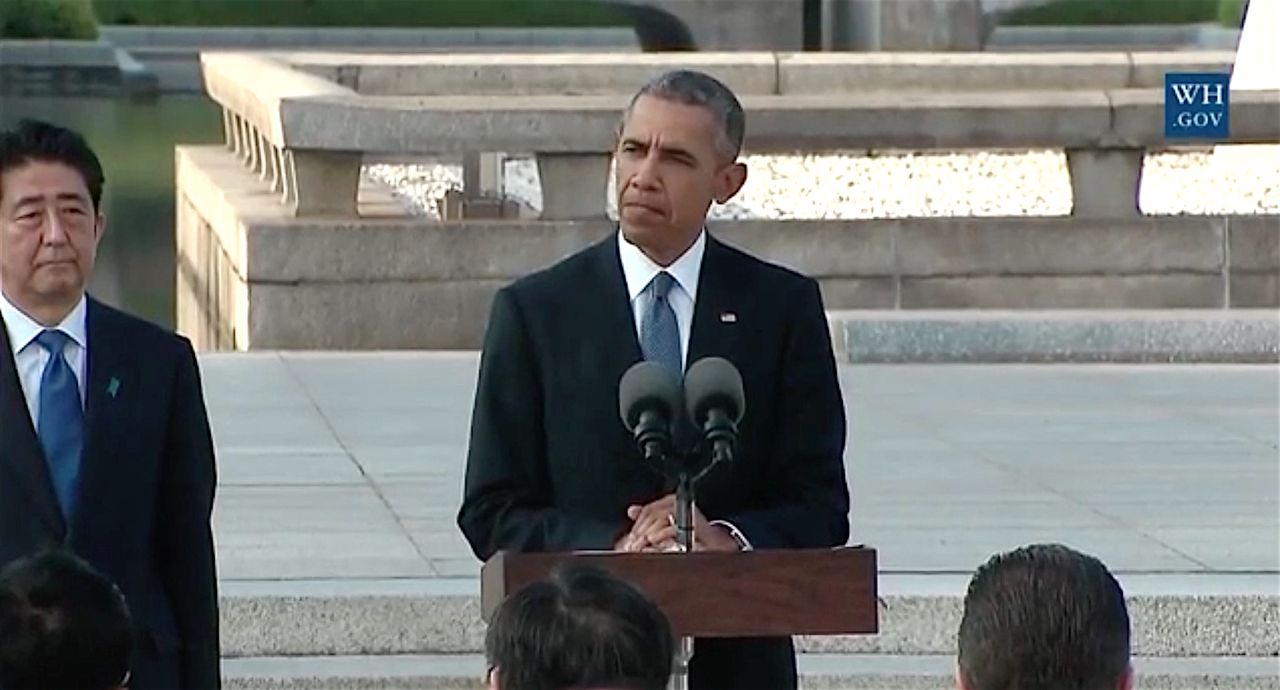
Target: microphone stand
688, 471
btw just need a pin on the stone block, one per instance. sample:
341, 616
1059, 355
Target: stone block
1139, 117
1105, 182
931, 25
321, 182
915, 120
734, 25
1255, 290
370, 315
554, 74
1181, 291
859, 293
989, 337
1149, 68
1254, 243
361, 251
1057, 246
817, 248
823, 73
574, 185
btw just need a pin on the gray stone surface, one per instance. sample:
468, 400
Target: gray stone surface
385, 39
253, 276
733, 25
1255, 290
342, 475
1154, 38
523, 75
800, 73
1060, 247
1255, 243
817, 671
754, 73
370, 315
299, 110
1169, 336
1152, 291
1105, 181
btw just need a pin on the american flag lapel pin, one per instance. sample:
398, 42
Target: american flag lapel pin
728, 317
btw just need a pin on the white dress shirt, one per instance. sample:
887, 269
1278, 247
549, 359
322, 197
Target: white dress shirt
30, 358
639, 270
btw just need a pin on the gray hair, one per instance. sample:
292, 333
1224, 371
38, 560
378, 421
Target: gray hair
689, 87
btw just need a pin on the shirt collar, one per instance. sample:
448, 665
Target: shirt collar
23, 329
639, 269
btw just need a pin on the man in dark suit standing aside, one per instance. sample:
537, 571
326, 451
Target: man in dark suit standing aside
550, 466
104, 441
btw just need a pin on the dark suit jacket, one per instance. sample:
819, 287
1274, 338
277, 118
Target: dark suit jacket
551, 467
146, 492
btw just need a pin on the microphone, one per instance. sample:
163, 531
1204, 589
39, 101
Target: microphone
713, 392
649, 398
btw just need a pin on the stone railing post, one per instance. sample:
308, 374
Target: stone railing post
1105, 182
574, 185
322, 182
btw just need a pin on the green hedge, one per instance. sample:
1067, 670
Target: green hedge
1119, 12
358, 13
1229, 12
47, 19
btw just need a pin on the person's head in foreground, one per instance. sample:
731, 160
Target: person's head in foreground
677, 151
580, 629
1044, 617
62, 625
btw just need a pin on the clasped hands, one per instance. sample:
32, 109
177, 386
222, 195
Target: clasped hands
653, 528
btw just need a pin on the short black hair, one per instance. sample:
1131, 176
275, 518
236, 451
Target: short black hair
580, 628
691, 87
1044, 617
33, 140
62, 625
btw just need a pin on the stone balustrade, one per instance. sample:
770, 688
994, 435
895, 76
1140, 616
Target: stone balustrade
306, 126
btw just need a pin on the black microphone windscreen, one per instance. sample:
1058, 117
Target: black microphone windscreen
647, 386
713, 382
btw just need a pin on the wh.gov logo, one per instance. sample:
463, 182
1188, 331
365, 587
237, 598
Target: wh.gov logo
1196, 106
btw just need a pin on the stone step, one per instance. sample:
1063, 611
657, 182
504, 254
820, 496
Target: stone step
1121, 336
818, 672
1183, 614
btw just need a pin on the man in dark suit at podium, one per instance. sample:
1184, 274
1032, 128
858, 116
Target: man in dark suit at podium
104, 442
550, 465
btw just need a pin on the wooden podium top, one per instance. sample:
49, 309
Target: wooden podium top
710, 594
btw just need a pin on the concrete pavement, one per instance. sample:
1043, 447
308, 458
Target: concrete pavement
341, 475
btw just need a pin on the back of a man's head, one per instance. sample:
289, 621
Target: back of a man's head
1044, 617
62, 625
580, 629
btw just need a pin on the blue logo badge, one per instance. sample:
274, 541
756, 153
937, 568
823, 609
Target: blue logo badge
1197, 106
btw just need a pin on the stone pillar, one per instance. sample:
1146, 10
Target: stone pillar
482, 175
931, 25
574, 185
904, 25
322, 182
1105, 182
775, 25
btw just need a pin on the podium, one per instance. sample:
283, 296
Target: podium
715, 594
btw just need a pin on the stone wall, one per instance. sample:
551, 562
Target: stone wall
252, 276
49, 68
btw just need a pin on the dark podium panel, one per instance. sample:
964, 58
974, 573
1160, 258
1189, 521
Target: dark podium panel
713, 594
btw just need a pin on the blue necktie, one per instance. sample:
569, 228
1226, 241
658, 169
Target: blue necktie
659, 333
61, 425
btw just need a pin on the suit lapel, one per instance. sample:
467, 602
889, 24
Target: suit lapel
111, 388
618, 336
21, 458
716, 313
